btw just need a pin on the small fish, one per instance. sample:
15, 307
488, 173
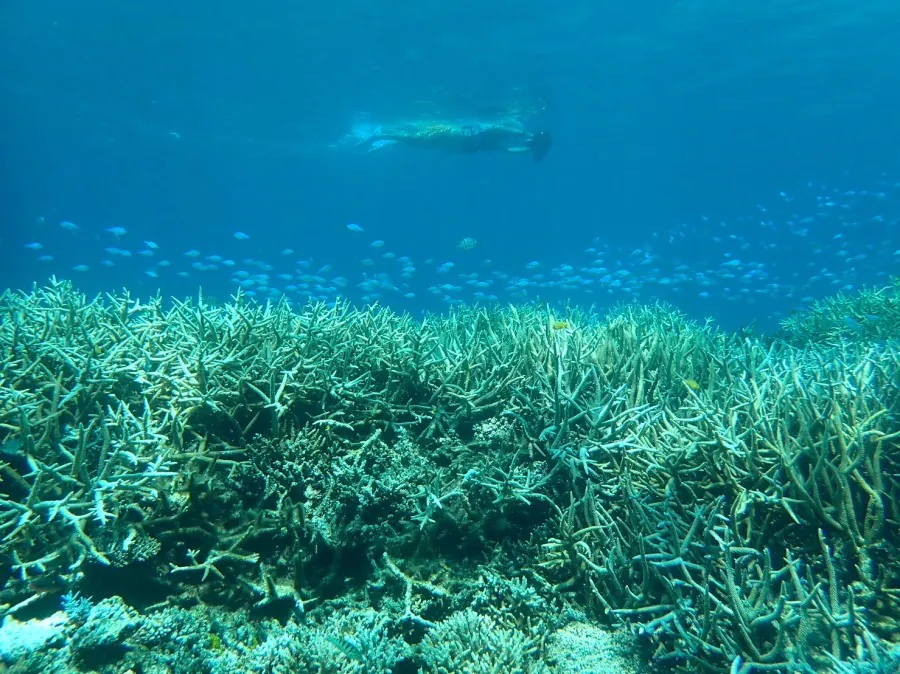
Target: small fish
69, 226
152, 245
34, 245
11, 447
48, 584
853, 324
80, 267
287, 251
117, 231
240, 236
560, 325
355, 228
46, 258
692, 384
192, 253
377, 243
151, 273
467, 243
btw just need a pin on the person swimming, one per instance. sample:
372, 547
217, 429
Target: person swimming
462, 138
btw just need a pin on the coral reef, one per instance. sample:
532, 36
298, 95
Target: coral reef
263, 488
868, 315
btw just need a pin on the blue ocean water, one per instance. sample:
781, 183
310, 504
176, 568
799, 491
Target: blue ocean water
735, 159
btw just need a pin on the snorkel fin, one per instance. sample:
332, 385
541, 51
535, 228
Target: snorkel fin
539, 144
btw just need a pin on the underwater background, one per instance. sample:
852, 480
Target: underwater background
475, 337
736, 160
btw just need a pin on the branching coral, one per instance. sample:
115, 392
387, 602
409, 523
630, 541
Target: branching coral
732, 499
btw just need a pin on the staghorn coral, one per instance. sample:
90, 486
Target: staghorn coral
277, 461
866, 315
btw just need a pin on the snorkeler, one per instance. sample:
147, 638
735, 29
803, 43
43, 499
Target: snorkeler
462, 138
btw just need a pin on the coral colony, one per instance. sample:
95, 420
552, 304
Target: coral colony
255, 487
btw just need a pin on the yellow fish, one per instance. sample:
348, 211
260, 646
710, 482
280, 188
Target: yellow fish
692, 384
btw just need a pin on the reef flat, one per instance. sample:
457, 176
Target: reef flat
245, 487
